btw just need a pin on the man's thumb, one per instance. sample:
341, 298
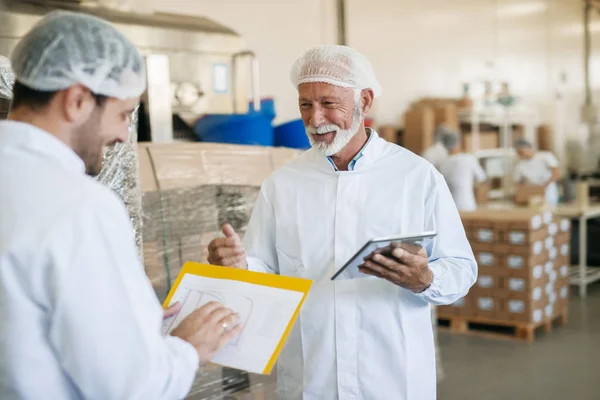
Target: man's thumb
228, 231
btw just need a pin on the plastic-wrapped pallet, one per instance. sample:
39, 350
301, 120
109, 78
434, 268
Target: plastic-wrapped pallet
189, 191
7, 80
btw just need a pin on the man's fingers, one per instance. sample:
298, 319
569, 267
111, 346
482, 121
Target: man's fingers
229, 321
368, 271
228, 231
206, 310
407, 258
217, 315
217, 243
229, 336
171, 310
228, 252
382, 271
232, 261
386, 262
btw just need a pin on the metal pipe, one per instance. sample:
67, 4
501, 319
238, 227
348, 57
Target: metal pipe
341, 21
254, 70
587, 40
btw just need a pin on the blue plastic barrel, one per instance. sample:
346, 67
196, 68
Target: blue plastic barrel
291, 134
249, 129
267, 107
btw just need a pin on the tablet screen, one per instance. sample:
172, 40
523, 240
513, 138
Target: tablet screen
413, 244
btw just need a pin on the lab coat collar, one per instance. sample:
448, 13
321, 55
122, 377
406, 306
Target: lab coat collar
32, 139
372, 151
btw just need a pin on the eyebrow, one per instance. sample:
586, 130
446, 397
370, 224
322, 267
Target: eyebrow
334, 98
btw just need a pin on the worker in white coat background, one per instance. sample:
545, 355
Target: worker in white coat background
369, 338
437, 153
80, 319
462, 172
537, 168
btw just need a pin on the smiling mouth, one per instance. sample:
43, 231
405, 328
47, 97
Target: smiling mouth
324, 137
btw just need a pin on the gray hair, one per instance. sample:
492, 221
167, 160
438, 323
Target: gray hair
450, 140
523, 143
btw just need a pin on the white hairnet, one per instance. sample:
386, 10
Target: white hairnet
67, 48
337, 65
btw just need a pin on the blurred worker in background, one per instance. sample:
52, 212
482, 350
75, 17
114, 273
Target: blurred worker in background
537, 168
437, 153
462, 172
368, 338
80, 319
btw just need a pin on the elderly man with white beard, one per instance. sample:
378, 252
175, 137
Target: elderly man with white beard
368, 338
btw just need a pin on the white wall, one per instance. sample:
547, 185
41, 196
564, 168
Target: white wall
277, 30
423, 48
429, 47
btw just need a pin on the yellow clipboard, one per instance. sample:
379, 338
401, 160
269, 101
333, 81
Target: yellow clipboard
269, 280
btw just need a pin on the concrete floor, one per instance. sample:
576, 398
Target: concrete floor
564, 364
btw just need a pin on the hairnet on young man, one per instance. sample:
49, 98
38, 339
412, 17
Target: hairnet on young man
67, 48
336, 65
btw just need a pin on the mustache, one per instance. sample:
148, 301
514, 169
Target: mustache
320, 130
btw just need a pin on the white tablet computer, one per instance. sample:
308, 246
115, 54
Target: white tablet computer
350, 269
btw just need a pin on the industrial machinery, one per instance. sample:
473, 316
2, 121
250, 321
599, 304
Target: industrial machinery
202, 65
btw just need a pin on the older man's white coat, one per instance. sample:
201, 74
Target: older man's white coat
365, 338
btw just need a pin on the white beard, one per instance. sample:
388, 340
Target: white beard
342, 136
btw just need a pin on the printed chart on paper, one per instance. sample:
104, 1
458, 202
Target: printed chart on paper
264, 311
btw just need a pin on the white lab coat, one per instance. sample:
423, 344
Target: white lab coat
365, 338
462, 171
436, 154
79, 317
537, 171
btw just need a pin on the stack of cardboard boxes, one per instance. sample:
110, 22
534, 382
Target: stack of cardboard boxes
523, 258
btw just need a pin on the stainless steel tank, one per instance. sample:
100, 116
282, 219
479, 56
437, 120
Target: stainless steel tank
202, 65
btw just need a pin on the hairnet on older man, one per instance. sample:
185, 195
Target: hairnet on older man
336, 65
67, 48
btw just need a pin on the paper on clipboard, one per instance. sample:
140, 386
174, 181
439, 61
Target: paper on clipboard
268, 306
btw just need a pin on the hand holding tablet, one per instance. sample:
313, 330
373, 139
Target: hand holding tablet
401, 260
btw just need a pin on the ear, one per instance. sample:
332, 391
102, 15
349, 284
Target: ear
78, 104
366, 100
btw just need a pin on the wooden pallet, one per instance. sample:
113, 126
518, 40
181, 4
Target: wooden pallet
514, 330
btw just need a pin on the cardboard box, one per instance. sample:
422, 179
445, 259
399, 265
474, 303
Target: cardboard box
446, 114
485, 256
419, 125
486, 306
563, 268
520, 259
563, 238
461, 307
564, 250
388, 133
545, 138
534, 281
482, 193
529, 194
483, 231
518, 235
564, 224
487, 140
523, 307
490, 285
